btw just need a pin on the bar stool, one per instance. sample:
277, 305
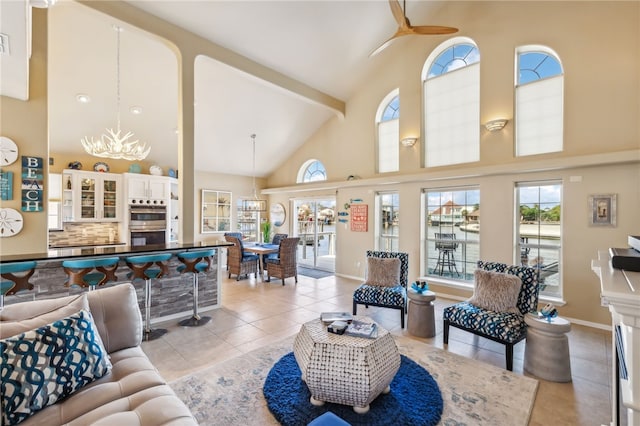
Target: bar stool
195, 262
81, 272
15, 282
142, 268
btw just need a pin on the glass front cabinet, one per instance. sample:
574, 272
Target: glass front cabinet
216, 211
91, 197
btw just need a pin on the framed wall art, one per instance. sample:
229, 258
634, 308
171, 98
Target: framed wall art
602, 210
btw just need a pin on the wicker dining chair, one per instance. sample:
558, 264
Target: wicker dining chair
240, 263
286, 264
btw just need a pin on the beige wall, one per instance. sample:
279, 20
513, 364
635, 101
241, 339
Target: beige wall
602, 137
25, 122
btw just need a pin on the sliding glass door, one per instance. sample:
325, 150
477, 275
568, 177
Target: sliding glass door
315, 224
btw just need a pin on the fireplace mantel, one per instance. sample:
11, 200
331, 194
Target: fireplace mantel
621, 291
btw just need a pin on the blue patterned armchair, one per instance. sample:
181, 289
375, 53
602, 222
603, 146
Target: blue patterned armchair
507, 328
392, 296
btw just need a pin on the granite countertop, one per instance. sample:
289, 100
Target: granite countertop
113, 250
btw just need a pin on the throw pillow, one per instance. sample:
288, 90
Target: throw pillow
47, 364
20, 318
496, 291
383, 272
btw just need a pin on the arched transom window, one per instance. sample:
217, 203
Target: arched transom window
451, 93
539, 101
388, 133
312, 171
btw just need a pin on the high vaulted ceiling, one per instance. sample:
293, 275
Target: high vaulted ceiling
324, 44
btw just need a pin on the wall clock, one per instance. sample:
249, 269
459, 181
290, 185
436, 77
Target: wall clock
8, 151
277, 214
10, 222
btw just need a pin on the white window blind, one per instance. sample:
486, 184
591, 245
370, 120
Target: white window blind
539, 119
388, 146
452, 117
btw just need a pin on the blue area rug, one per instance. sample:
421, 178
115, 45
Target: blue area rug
415, 398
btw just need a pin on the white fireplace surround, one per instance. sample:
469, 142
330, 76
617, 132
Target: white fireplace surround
621, 290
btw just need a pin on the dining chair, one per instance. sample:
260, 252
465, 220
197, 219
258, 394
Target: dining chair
240, 262
286, 264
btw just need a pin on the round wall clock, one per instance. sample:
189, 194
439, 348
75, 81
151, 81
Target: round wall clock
277, 214
10, 222
8, 151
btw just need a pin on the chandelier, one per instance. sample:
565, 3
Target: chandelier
113, 144
254, 204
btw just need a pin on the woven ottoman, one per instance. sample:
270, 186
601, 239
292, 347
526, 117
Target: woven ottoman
344, 369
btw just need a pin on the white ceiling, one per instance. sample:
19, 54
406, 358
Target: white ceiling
324, 44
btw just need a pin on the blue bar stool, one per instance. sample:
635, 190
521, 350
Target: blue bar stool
90, 273
194, 262
147, 268
15, 282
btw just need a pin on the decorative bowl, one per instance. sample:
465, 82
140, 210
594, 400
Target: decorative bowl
135, 168
420, 286
155, 170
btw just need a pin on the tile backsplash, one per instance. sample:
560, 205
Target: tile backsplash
84, 234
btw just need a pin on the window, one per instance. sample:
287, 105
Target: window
539, 232
451, 93
248, 222
388, 133
311, 171
452, 223
539, 101
387, 221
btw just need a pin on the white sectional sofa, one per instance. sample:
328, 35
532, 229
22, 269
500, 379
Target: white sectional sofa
132, 392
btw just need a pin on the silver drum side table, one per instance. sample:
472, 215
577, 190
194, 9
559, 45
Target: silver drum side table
421, 318
546, 353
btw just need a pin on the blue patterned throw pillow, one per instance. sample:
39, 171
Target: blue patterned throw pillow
42, 366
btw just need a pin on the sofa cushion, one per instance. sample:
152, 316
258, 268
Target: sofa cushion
385, 296
383, 272
22, 317
50, 363
496, 291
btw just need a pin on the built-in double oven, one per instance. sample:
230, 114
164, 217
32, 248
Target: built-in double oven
147, 225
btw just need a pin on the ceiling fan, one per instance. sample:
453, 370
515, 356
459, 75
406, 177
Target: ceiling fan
405, 27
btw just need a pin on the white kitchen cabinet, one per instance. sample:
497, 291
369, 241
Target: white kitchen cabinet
91, 196
147, 189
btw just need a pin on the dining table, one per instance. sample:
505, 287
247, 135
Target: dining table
262, 250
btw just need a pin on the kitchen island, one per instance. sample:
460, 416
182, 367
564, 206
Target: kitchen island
171, 295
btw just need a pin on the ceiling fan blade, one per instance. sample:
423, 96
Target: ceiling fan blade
398, 13
401, 32
433, 30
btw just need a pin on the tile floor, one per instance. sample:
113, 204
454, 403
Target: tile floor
255, 314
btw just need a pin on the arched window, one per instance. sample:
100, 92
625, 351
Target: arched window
311, 171
451, 93
388, 133
539, 101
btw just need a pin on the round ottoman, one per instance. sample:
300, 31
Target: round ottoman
421, 319
546, 353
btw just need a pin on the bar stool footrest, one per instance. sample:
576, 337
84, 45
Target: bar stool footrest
154, 334
194, 321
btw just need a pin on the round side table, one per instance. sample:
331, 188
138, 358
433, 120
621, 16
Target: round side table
421, 319
546, 353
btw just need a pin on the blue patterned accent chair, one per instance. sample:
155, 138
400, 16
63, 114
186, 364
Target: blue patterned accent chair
507, 328
386, 296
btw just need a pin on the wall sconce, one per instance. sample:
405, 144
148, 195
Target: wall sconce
496, 125
408, 142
